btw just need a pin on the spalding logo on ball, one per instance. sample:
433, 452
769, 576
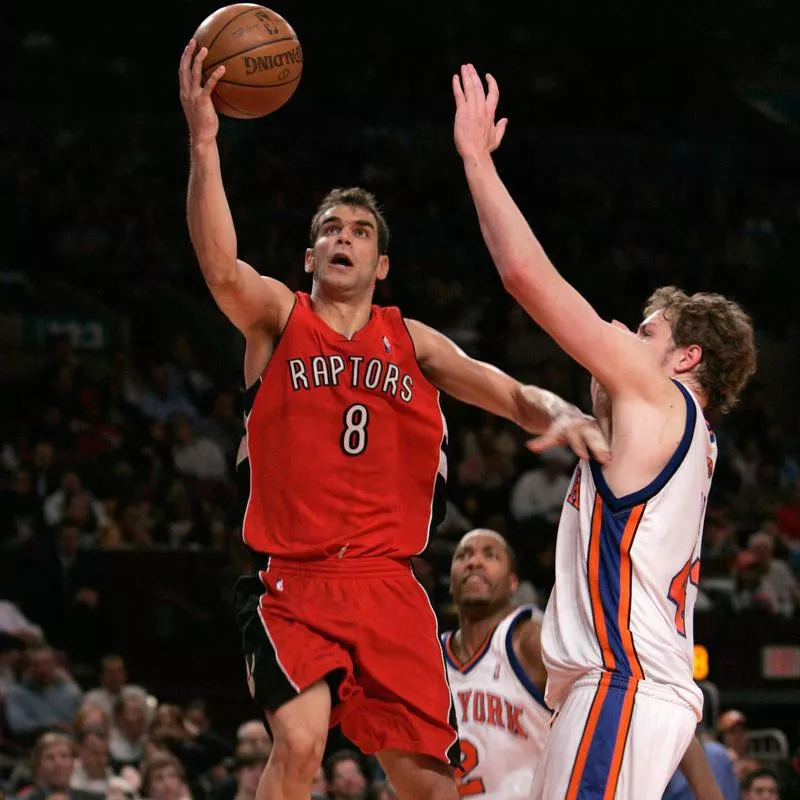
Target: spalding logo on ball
261, 54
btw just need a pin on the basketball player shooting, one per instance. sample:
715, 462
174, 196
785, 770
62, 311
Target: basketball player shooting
345, 459
617, 632
497, 677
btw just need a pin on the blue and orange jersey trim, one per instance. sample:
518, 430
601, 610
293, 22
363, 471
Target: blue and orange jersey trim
470, 664
598, 762
610, 576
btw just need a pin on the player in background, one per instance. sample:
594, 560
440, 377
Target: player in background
345, 460
617, 633
497, 678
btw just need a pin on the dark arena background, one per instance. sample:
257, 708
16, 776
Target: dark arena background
648, 144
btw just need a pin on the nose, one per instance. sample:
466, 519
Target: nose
343, 237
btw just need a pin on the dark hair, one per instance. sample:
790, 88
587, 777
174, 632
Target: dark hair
356, 197
724, 332
337, 758
761, 772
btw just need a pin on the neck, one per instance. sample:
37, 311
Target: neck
475, 628
345, 315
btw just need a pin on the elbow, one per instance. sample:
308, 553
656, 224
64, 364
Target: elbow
515, 279
219, 276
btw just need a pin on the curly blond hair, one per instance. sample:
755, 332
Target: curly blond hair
724, 332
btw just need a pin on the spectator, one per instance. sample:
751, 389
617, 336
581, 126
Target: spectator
345, 776
91, 772
196, 456
128, 728
721, 766
254, 732
47, 697
162, 400
164, 779
249, 763
540, 492
113, 681
53, 762
64, 597
777, 578
761, 784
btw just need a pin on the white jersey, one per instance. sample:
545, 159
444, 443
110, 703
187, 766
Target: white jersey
627, 571
502, 716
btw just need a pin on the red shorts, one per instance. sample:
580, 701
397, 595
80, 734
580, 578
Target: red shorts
366, 626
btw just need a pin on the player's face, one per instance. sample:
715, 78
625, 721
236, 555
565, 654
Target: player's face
656, 333
345, 256
480, 574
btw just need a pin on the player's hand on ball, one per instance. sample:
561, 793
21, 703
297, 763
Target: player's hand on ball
580, 432
475, 132
196, 97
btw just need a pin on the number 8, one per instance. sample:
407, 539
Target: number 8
354, 435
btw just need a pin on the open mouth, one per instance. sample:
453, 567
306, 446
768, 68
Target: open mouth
341, 260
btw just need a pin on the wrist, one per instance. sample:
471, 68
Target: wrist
202, 147
478, 161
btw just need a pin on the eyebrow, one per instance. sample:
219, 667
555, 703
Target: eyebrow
364, 223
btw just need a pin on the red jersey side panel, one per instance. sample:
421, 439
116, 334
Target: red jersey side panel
345, 443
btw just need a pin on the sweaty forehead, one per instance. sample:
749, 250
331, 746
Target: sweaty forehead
482, 538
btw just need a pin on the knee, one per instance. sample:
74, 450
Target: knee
299, 751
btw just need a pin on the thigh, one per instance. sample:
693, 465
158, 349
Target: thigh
418, 777
406, 703
661, 731
611, 741
284, 654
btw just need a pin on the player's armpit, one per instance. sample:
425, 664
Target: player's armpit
527, 640
252, 301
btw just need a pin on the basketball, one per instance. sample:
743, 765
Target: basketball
261, 54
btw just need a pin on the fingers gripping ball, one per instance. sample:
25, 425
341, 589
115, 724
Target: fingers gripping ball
261, 54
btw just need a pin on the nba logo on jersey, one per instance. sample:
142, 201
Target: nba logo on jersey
496, 674
386, 346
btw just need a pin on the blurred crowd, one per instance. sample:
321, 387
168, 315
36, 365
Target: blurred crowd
130, 444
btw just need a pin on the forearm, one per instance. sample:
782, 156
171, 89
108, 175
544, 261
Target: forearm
695, 768
514, 249
210, 222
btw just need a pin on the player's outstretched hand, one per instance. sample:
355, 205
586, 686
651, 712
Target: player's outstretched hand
196, 96
475, 132
580, 432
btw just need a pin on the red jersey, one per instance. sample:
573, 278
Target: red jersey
345, 443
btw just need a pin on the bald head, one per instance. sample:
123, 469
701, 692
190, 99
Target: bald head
483, 574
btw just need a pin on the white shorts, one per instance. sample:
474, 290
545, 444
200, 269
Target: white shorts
614, 738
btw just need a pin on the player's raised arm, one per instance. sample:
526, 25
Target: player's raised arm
249, 300
617, 359
479, 384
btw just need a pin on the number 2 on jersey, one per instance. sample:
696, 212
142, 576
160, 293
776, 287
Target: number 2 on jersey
469, 786
690, 573
354, 435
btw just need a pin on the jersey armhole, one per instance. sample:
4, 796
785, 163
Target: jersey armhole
522, 676
414, 351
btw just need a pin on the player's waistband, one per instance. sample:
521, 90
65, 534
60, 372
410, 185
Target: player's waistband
335, 567
659, 691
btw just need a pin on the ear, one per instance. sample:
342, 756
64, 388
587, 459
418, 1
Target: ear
690, 358
309, 260
513, 582
383, 267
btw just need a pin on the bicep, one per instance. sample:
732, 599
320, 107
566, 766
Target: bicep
251, 300
450, 369
615, 357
